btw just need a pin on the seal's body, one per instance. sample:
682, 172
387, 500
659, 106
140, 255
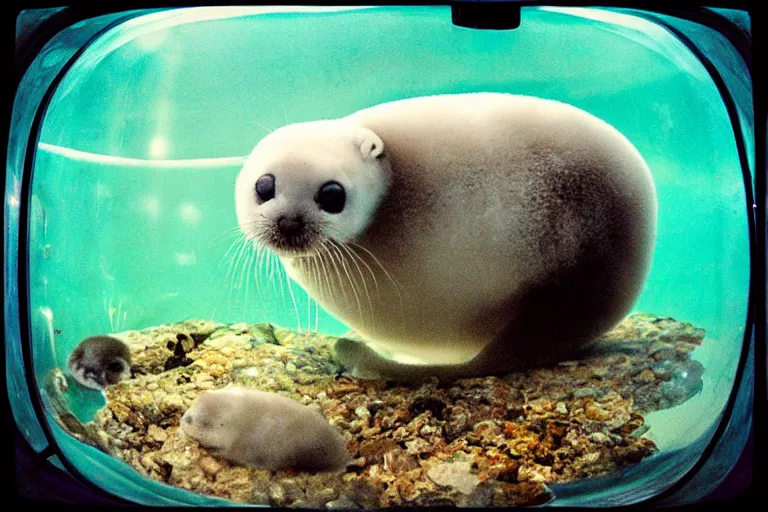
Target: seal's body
264, 430
478, 233
100, 361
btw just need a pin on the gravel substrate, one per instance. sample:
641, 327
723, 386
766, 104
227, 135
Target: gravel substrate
494, 441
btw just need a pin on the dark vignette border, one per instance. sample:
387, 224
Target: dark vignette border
62, 20
754, 262
25, 326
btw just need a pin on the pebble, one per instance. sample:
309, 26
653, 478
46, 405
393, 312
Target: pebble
592, 457
595, 412
343, 503
260, 497
157, 434
171, 401
428, 429
276, 493
584, 392
454, 474
527, 474
639, 431
659, 346
326, 495
340, 422
599, 437
417, 446
646, 376
209, 465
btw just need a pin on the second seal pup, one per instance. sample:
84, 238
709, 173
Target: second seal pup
264, 430
100, 361
477, 233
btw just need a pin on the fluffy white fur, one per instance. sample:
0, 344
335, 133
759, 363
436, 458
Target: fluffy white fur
264, 430
483, 233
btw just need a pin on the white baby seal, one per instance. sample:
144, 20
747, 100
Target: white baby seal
476, 233
265, 430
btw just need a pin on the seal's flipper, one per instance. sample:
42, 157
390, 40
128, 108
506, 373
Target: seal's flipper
363, 362
505, 354
358, 359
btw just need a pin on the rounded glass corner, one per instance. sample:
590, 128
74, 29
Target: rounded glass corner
133, 230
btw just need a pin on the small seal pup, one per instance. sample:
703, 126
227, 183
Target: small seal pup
476, 233
100, 361
264, 430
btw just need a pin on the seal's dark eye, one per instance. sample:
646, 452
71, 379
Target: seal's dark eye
331, 197
265, 188
115, 367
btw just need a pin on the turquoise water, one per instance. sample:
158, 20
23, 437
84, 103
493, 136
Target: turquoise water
133, 183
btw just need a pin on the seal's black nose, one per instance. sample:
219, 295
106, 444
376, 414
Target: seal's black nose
290, 225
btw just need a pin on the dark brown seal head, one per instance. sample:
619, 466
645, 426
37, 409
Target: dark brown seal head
100, 361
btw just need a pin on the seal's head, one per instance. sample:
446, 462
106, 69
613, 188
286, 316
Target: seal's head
309, 183
100, 361
209, 418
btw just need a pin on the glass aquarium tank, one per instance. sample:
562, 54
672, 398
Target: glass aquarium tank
154, 210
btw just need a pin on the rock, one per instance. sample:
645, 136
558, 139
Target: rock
209, 465
599, 437
454, 474
276, 494
326, 495
646, 376
398, 460
639, 431
591, 458
260, 497
342, 504
155, 433
584, 393
534, 474
659, 346
418, 446
172, 403
595, 412
481, 496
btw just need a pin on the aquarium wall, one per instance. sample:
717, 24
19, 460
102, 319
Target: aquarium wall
133, 232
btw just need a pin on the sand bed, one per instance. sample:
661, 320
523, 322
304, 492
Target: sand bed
495, 441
